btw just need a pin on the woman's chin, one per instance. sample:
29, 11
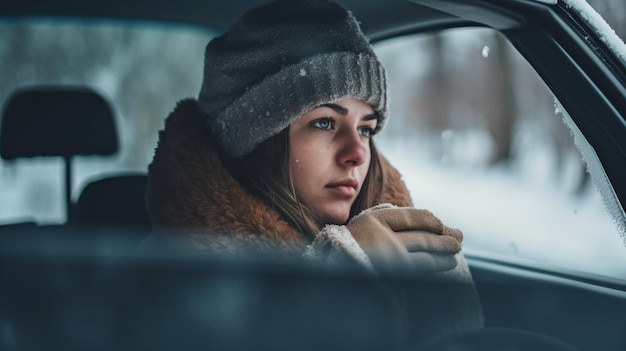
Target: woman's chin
337, 217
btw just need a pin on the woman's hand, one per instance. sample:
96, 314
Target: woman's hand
403, 237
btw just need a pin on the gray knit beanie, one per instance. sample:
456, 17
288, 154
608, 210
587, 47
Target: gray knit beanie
279, 61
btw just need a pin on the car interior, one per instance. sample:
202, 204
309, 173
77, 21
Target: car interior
57, 121
80, 284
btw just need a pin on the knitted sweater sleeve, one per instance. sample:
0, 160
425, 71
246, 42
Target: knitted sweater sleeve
335, 245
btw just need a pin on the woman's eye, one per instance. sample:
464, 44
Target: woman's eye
366, 132
323, 123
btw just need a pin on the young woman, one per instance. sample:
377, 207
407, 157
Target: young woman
276, 156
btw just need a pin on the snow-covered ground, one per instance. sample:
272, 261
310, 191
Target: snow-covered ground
513, 212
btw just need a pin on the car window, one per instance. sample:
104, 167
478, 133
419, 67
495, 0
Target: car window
481, 141
142, 70
478, 137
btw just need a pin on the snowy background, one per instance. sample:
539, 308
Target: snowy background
528, 197
473, 130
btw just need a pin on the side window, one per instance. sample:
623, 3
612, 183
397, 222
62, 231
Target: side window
481, 142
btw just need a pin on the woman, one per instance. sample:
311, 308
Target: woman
277, 155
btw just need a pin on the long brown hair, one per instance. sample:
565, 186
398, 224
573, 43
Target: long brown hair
265, 173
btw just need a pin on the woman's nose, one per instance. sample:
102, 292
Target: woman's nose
353, 151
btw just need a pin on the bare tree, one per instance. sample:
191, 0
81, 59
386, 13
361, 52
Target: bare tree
501, 111
434, 99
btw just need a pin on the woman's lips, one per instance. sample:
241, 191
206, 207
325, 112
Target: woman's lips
347, 188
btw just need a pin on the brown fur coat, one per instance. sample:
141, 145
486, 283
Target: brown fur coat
190, 191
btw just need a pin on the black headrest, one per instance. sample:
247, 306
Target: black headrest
57, 121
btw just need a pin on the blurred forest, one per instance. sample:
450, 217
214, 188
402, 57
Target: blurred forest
476, 92
141, 70
469, 97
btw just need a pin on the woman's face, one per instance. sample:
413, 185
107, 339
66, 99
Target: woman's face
330, 156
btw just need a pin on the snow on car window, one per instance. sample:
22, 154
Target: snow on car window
474, 132
598, 175
613, 10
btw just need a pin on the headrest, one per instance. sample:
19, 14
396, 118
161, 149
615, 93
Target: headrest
57, 121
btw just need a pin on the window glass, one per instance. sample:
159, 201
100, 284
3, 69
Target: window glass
481, 142
142, 70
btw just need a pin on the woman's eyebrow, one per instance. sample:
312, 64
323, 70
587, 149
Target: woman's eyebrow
371, 116
344, 111
339, 109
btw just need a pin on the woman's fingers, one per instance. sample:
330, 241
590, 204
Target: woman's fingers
430, 262
418, 240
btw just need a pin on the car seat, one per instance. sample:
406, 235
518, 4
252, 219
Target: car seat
69, 121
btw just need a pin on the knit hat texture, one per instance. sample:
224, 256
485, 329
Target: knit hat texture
279, 61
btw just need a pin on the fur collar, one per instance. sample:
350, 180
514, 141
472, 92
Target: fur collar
189, 190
